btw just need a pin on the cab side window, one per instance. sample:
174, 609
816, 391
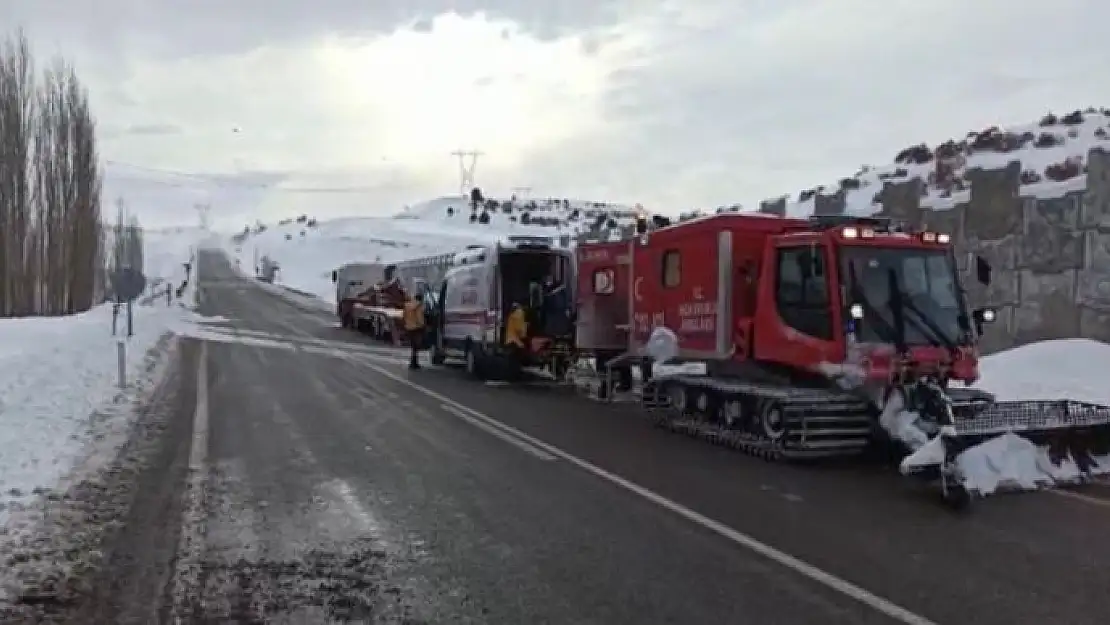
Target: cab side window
802, 291
672, 269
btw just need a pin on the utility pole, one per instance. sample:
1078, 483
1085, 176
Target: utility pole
468, 161
202, 213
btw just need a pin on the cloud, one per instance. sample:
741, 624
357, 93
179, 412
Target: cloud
734, 101
673, 103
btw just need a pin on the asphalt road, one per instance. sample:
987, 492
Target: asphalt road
338, 486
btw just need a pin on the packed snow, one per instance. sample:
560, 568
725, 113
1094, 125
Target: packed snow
56, 372
1063, 369
1053, 154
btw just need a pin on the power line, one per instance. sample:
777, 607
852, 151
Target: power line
222, 181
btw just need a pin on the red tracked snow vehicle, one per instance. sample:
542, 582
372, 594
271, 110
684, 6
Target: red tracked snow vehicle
815, 334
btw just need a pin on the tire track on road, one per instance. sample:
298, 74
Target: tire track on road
295, 542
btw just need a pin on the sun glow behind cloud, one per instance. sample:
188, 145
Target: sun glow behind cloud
464, 83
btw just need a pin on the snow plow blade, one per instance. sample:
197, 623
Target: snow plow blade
1058, 423
1018, 445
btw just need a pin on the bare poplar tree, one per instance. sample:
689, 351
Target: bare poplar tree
17, 119
86, 235
51, 231
50, 203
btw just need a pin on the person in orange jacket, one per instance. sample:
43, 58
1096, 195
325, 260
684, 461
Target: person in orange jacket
516, 330
413, 318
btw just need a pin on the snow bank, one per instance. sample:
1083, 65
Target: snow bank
1061, 369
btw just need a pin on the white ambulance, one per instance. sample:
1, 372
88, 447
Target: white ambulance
478, 293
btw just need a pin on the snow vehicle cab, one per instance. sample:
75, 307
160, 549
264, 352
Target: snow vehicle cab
822, 336
478, 294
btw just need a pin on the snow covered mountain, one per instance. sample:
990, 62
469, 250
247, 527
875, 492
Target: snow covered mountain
307, 251
1052, 151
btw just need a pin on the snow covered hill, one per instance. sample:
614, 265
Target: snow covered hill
1052, 152
307, 251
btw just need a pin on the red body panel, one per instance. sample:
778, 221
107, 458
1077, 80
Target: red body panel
688, 307
604, 291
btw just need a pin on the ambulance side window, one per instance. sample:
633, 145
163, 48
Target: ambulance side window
802, 291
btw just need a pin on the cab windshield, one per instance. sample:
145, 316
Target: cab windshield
927, 281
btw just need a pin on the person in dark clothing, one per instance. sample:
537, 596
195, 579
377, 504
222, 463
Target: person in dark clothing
556, 309
533, 308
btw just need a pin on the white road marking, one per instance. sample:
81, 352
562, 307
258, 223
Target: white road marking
1094, 501
842, 586
190, 546
321, 347
345, 493
512, 440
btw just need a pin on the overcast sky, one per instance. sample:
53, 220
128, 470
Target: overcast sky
678, 105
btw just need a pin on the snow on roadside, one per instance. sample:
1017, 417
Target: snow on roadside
56, 373
1062, 369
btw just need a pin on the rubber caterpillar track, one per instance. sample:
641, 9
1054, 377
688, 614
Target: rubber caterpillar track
743, 442
815, 423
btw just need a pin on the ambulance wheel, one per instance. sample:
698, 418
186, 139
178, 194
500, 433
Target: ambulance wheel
559, 369
512, 371
475, 365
